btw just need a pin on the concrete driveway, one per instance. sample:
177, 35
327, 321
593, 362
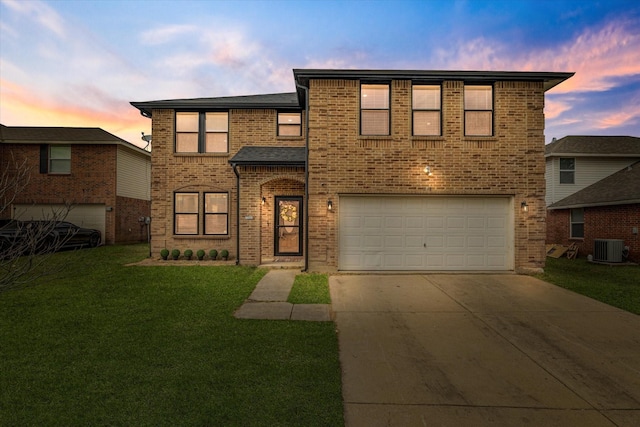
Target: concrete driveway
483, 350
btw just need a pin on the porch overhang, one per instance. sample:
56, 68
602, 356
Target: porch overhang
270, 156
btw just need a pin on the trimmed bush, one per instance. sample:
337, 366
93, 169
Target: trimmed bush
213, 254
164, 253
188, 254
224, 254
175, 254
200, 254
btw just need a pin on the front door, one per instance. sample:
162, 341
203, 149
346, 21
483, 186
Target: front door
288, 226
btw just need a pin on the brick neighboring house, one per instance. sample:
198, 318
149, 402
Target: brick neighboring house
593, 191
359, 170
104, 178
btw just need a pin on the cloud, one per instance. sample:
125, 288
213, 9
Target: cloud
166, 34
40, 13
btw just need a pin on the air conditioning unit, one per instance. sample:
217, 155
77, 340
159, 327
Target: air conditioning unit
608, 250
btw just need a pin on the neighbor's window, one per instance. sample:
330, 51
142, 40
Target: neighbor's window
374, 109
289, 124
577, 223
426, 109
202, 132
478, 110
567, 170
186, 213
60, 159
216, 213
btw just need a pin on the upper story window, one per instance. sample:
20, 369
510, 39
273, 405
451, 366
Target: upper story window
374, 109
567, 170
426, 109
289, 124
202, 132
478, 110
188, 209
55, 159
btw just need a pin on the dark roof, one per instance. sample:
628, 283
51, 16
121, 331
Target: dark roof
269, 156
275, 100
61, 135
621, 188
550, 79
582, 145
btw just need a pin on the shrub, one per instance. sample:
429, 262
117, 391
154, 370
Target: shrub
200, 254
188, 254
164, 253
224, 254
175, 254
213, 254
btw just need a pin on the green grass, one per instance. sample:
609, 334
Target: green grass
105, 344
618, 286
310, 289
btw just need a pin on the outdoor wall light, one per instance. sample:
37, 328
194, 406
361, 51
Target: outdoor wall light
329, 205
264, 200
524, 206
427, 170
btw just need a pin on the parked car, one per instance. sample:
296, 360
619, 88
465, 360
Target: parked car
45, 236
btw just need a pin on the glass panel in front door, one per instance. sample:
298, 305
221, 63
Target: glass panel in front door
288, 233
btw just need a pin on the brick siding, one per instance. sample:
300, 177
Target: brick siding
601, 222
510, 163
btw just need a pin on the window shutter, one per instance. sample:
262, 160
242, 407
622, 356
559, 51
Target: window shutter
44, 158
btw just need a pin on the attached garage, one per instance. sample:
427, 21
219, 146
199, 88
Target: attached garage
82, 215
422, 233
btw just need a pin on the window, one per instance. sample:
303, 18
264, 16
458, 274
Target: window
426, 110
374, 109
289, 124
567, 170
216, 213
186, 213
188, 209
60, 159
577, 223
202, 132
478, 110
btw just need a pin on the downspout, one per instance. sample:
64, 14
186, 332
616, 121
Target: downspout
306, 178
235, 170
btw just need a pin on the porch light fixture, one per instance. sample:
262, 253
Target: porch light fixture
329, 205
264, 200
427, 170
524, 206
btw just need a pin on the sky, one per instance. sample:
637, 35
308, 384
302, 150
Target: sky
81, 62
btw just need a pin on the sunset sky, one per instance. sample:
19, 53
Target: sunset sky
80, 63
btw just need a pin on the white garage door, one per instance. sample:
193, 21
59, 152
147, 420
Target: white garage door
83, 215
425, 233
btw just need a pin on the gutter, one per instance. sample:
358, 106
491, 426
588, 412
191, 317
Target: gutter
306, 177
235, 170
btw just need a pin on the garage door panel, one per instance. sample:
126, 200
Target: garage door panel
425, 233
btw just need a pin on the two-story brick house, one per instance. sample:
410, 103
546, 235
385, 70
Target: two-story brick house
88, 174
359, 170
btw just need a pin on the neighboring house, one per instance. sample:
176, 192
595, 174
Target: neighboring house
593, 191
104, 179
359, 170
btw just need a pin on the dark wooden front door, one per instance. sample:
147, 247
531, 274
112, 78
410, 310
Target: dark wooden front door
288, 225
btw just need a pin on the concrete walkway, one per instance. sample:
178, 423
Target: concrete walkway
268, 301
482, 350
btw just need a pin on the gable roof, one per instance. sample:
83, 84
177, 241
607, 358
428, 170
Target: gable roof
600, 146
621, 188
269, 156
61, 135
287, 100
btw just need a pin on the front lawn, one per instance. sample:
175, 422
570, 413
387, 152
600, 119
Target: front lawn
105, 344
310, 288
618, 286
